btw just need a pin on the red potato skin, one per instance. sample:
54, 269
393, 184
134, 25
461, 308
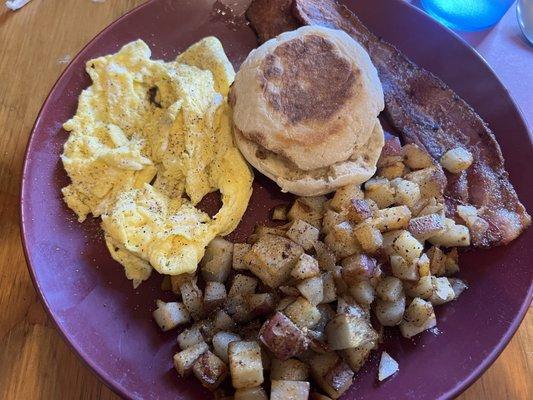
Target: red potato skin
210, 370
364, 268
359, 210
283, 337
391, 152
340, 376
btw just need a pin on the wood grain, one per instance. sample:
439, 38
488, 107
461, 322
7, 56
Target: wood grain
35, 362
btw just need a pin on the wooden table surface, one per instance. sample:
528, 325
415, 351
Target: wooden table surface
35, 363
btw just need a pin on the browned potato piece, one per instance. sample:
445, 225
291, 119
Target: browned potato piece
177, 280
214, 296
403, 269
209, 370
390, 313
456, 160
391, 152
415, 157
453, 235
458, 286
409, 329
363, 292
216, 263
312, 289
426, 226
389, 288
359, 210
423, 288
306, 267
380, 190
309, 209
192, 298
239, 250
349, 331
325, 257
221, 341
341, 240
406, 192
170, 315
331, 218
369, 237
189, 337
452, 262
407, 246
302, 313
357, 356
431, 181
184, 360
396, 170
393, 218
223, 322
388, 240
331, 373
359, 267
242, 285
303, 233
272, 258
289, 390
245, 364
344, 196
282, 337
280, 213
283, 303
418, 312
261, 304
255, 393
437, 261
442, 291
423, 265
289, 370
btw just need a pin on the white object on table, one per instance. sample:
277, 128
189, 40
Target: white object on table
16, 4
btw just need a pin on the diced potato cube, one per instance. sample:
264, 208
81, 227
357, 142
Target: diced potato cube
255, 393
381, 191
303, 233
261, 304
283, 303
451, 265
216, 263
177, 280
426, 226
415, 157
418, 312
223, 322
406, 192
359, 267
344, 196
391, 152
209, 370
289, 390
331, 373
184, 360
281, 336
437, 261
260, 230
431, 181
359, 210
388, 241
221, 341
170, 315
423, 288
403, 269
309, 209
387, 366
192, 298
356, 357
409, 329
349, 331
214, 296
237, 307
331, 218
453, 235
423, 265
329, 291
432, 206
407, 246
443, 291
341, 240
363, 292
390, 313
456, 160
341, 286
458, 286
302, 313
245, 364
280, 213
239, 250
325, 257
242, 285
393, 218
369, 237
272, 259
289, 370
306, 267
389, 288
393, 171
190, 337
312, 289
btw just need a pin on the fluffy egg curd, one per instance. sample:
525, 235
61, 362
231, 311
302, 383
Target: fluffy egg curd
149, 140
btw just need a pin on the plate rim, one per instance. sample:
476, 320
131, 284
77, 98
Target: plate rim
100, 373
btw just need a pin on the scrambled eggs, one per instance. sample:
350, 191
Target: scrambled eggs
149, 140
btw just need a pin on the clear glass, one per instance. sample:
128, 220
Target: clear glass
467, 15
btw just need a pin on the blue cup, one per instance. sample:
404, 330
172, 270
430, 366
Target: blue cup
467, 15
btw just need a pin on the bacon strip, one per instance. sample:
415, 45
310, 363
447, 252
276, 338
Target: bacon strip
425, 111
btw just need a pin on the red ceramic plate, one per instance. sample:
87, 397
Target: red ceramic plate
109, 324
